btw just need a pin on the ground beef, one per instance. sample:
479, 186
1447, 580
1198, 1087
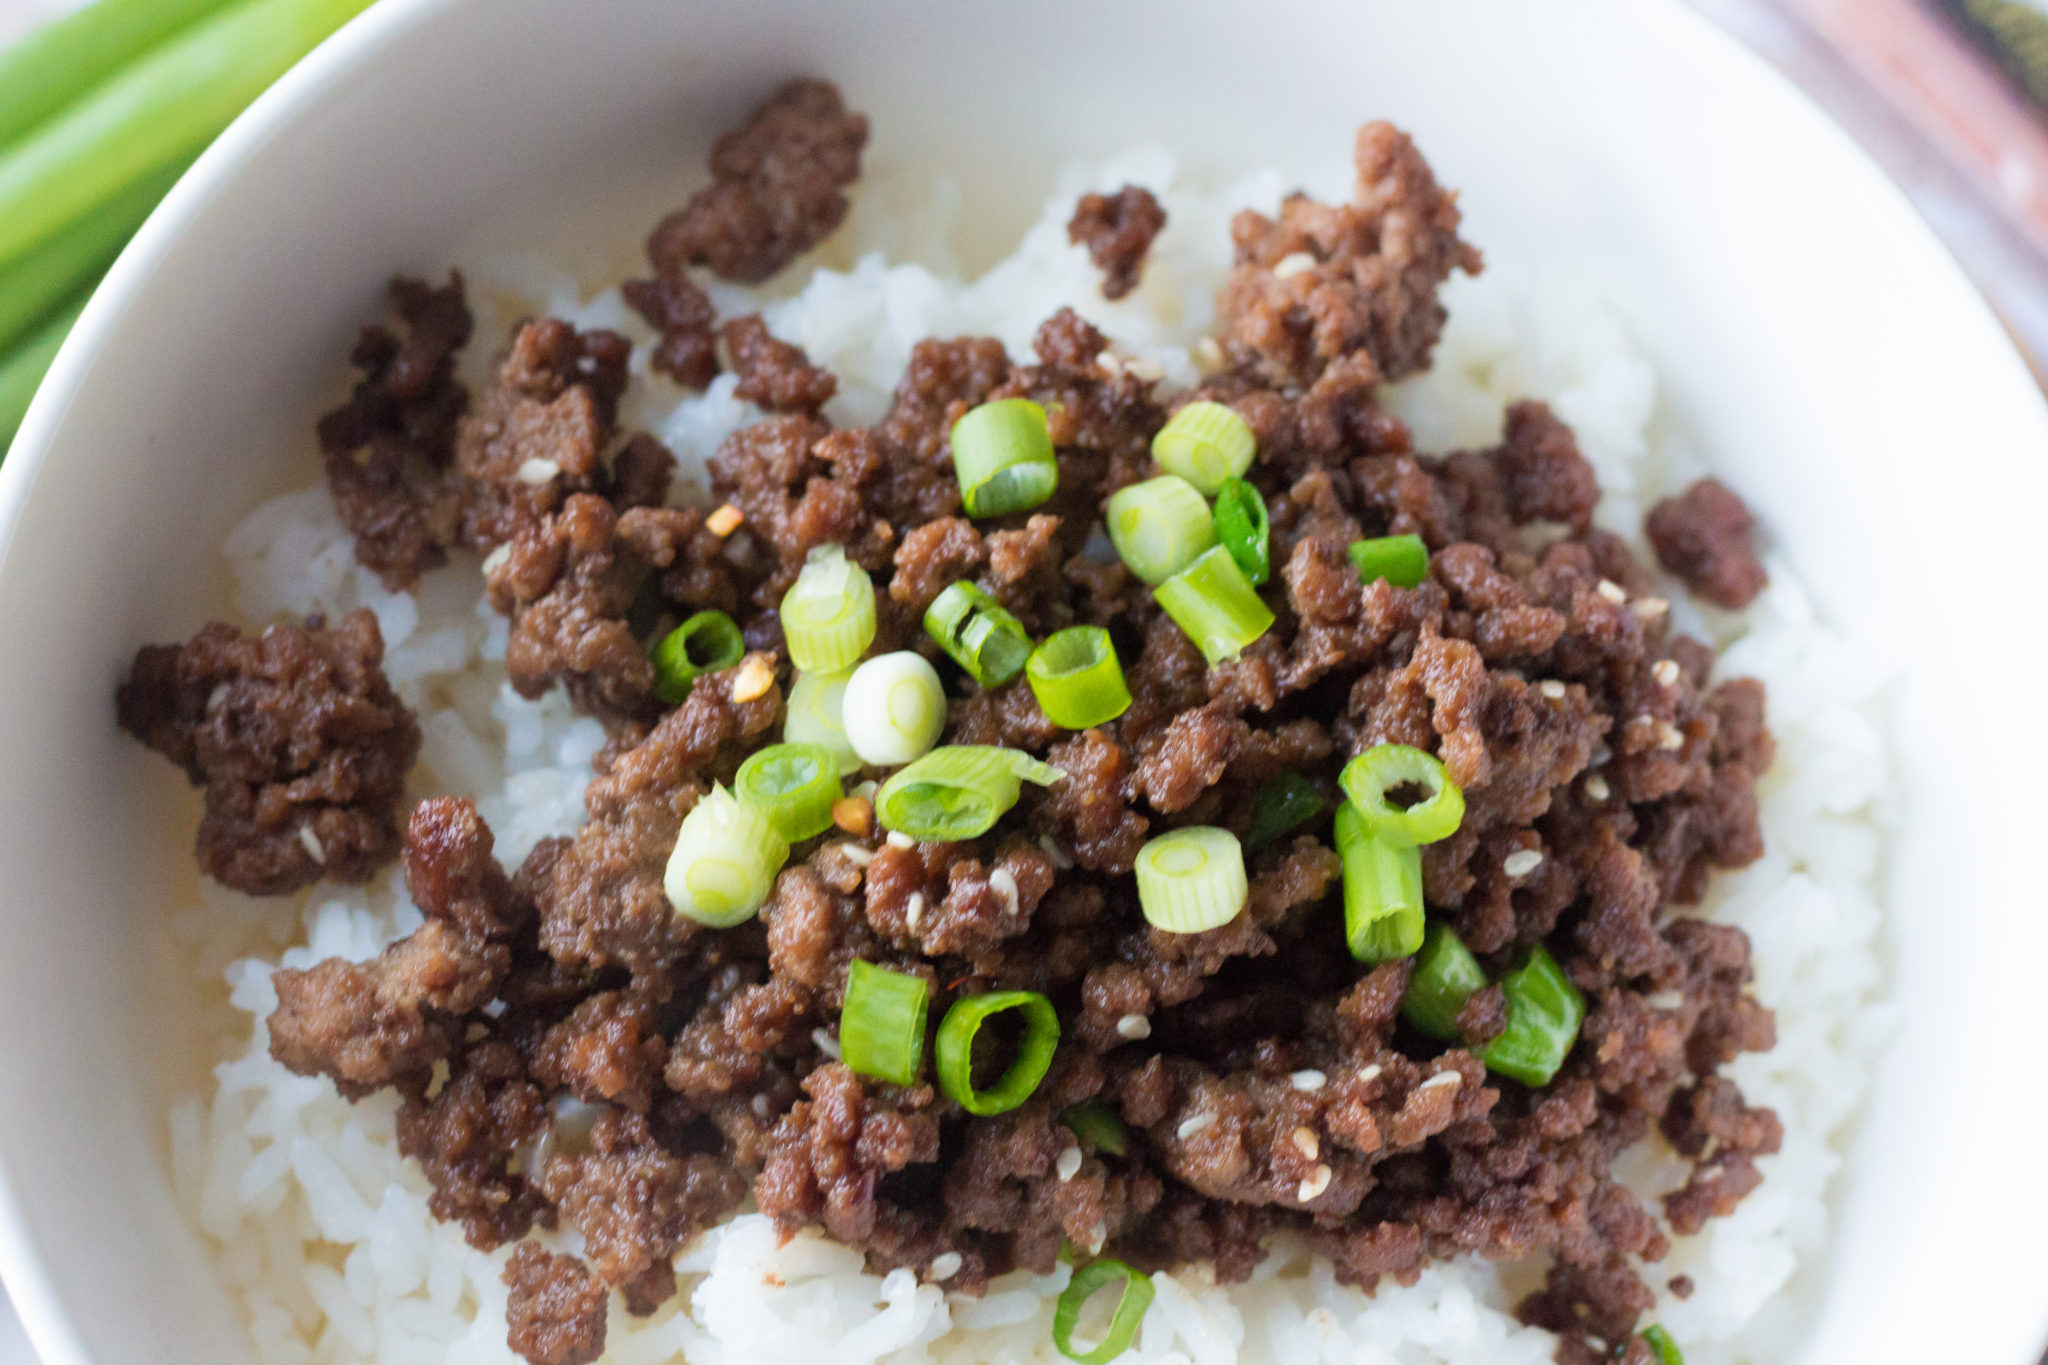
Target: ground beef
295, 737
1706, 537
387, 450
556, 1311
777, 189
1118, 230
566, 1047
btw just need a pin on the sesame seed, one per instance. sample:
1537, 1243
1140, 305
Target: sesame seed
1209, 353
1446, 1080
1310, 1080
913, 911
1051, 848
826, 1043
1597, 788
1647, 607
1669, 736
1110, 363
1145, 369
310, 841
1665, 671
495, 560
1315, 1184
1521, 862
854, 853
752, 678
1134, 1027
759, 1105
1551, 688
1097, 1235
898, 839
853, 814
1611, 590
946, 1265
1665, 1000
724, 521
536, 472
864, 790
1069, 1164
1306, 1142
1712, 1173
1004, 884
1292, 264
1198, 1124
1369, 1072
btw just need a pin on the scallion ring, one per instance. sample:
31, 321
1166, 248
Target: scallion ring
1096, 1124
706, 643
1192, 879
958, 791
978, 634
881, 1025
1244, 528
1383, 916
1077, 679
795, 783
725, 860
1371, 778
815, 714
1034, 1050
1134, 1297
1003, 457
1205, 443
1159, 526
894, 708
1282, 806
1401, 560
1445, 976
828, 614
1214, 603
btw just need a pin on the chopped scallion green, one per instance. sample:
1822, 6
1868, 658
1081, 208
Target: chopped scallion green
1401, 560
1077, 679
1003, 457
1134, 1297
1034, 1051
828, 614
881, 1026
1159, 526
815, 714
1282, 806
1370, 780
1544, 1013
796, 784
1205, 443
1192, 879
978, 634
1214, 603
1383, 917
725, 861
706, 643
1662, 1347
958, 791
1096, 1124
1244, 528
1445, 976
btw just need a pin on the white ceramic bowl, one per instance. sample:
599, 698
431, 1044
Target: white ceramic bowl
1810, 332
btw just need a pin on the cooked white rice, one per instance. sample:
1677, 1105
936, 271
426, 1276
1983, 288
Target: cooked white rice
321, 1229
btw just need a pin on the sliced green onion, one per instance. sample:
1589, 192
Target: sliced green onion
815, 714
1445, 976
1192, 879
1077, 679
56, 63
706, 643
161, 108
1096, 1124
1382, 891
1244, 529
1662, 1347
1282, 806
1401, 560
39, 280
1212, 601
795, 783
1159, 526
1205, 443
894, 709
828, 614
1368, 778
958, 792
1034, 1052
1002, 454
881, 1026
1544, 1013
981, 637
725, 861
1134, 1297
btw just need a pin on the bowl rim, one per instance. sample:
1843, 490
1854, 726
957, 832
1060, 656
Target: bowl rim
355, 46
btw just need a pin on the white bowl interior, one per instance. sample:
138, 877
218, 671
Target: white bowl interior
1811, 336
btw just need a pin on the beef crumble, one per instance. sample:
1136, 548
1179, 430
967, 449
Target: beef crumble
296, 739
1118, 230
564, 1045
